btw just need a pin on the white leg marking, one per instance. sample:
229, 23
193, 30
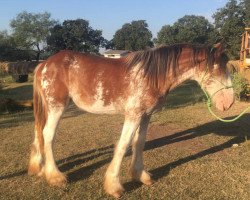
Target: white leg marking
137, 168
53, 175
35, 163
112, 183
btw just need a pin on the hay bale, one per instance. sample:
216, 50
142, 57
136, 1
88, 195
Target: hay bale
20, 78
22, 67
4, 67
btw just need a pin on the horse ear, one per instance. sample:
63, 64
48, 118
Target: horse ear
217, 48
217, 45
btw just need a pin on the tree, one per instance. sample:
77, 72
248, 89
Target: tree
188, 29
133, 36
30, 30
5, 45
245, 4
9, 50
75, 35
166, 35
229, 21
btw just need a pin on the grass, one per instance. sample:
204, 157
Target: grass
189, 153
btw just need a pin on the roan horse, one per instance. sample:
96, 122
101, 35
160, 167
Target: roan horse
135, 86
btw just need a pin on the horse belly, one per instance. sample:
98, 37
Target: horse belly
96, 107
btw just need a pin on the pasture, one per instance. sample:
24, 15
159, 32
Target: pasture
190, 154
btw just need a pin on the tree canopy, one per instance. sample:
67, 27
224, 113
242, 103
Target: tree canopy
30, 30
188, 29
9, 51
75, 35
246, 10
133, 36
229, 21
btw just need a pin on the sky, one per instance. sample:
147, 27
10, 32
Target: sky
110, 15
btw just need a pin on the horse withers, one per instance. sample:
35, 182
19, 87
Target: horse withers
134, 86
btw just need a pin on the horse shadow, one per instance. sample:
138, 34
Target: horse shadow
72, 165
237, 130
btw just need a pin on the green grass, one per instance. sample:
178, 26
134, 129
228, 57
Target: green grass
189, 153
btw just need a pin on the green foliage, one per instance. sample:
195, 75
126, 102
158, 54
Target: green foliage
30, 30
188, 29
5, 45
240, 86
246, 9
9, 50
133, 36
229, 21
75, 35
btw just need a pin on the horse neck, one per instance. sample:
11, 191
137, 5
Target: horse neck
182, 76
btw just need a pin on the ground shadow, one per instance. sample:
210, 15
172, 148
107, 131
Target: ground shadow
104, 154
236, 130
20, 93
15, 119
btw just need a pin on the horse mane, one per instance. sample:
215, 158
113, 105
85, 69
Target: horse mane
157, 62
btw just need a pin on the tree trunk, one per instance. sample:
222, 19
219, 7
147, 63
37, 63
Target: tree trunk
38, 53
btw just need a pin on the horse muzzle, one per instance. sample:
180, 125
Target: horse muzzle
224, 99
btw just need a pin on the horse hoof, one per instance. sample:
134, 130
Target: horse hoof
58, 180
113, 187
143, 177
148, 182
34, 170
117, 194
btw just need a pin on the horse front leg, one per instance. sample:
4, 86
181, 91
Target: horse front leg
137, 170
112, 183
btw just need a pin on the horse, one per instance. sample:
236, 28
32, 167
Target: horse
135, 86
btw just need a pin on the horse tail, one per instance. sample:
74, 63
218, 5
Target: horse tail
40, 111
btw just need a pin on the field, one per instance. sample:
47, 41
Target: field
190, 154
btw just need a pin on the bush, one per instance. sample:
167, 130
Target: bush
240, 85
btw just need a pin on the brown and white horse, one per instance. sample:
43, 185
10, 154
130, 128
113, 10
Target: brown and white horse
135, 86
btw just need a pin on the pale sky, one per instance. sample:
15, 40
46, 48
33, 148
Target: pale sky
110, 15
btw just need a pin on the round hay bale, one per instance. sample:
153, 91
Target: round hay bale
20, 78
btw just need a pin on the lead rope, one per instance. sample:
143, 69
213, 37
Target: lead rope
209, 106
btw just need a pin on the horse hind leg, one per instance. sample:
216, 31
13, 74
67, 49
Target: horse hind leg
41, 158
53, 176
36, 158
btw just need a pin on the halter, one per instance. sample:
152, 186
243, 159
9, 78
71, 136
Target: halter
209, 101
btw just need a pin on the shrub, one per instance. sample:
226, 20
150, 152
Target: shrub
240, 85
